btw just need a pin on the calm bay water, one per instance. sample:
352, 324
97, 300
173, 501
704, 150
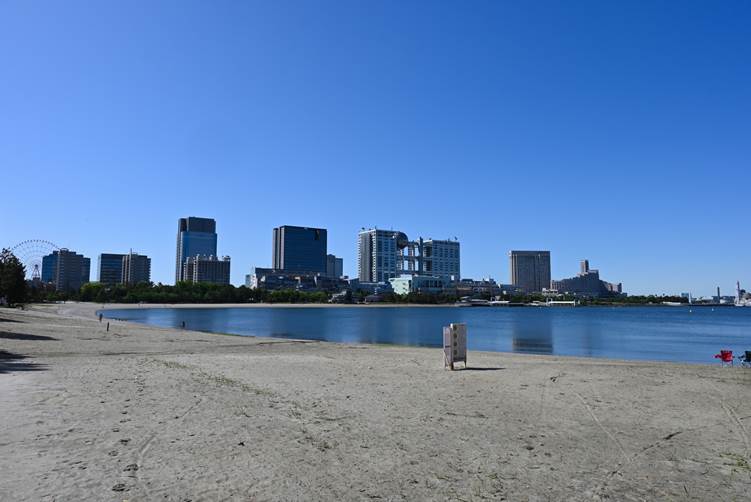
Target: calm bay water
652, 333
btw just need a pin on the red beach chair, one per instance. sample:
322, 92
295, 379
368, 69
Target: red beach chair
725, 357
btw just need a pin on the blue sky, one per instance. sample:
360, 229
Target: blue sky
614, 131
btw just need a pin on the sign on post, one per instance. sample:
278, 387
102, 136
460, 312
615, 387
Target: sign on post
455, 344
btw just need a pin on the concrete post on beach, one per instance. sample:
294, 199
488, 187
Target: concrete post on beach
454, 345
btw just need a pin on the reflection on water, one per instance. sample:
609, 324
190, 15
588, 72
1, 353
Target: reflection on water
533, 334
628, 333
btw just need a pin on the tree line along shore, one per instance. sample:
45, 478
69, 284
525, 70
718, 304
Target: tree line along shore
15, 289
186, 292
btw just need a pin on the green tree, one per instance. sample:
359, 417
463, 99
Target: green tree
12, 278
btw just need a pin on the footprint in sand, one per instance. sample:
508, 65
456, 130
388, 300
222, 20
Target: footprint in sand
120, 487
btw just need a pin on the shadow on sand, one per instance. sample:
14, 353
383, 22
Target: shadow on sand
10, 362
477, 368
21, 336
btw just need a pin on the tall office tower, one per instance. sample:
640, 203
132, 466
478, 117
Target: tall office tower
110, 268
136, 268
530, 270
66, 269
334, 266
378, 254
195, 236
206, 269
299, 249
441, 258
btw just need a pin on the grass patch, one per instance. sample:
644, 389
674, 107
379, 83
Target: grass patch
737, 461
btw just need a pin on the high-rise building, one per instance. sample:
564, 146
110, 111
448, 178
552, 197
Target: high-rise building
441, 258
66, 269
387, 254
378, 253
110, 268
201, 268
195, 236
530, 270
136, 268
334, 266
49, 267
299, 249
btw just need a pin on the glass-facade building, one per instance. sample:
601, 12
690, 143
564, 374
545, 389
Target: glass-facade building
299, 249
49, 267
136, 268
195, 236
66, 269
207, 269
334, 266
110, 268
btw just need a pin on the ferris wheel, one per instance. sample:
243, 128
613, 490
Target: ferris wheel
30, 254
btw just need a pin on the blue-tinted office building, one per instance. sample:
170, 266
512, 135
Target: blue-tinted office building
66, 269
299, 249
110, 268
49, 267
195, 236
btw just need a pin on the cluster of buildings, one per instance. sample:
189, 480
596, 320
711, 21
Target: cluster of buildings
66, 270
586, 283
196, 261
387, 261
300, 260
196, 258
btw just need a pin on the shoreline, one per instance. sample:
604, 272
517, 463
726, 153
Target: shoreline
604, 360
119, 306
142, 413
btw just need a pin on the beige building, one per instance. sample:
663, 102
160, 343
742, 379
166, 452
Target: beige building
530, 270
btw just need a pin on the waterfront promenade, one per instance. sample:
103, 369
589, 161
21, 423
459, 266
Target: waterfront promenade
143, 413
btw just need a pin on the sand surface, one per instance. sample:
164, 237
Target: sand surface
141, 413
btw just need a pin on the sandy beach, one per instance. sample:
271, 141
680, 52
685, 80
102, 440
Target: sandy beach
142, 413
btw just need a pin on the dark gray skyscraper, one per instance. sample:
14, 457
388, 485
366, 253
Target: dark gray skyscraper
66, 269
530, 270
195, 236
110, 268
207, 269
334, 266
136, 268
299, 249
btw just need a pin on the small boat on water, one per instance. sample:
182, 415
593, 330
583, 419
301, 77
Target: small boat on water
473, 302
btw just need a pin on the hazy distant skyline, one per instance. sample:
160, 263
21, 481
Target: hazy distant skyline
617, 132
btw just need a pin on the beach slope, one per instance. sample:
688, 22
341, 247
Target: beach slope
142, 413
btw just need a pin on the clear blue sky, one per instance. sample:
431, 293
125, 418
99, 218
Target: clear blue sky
614, 131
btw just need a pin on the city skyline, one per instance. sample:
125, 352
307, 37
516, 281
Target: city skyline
583, 263
614, 132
